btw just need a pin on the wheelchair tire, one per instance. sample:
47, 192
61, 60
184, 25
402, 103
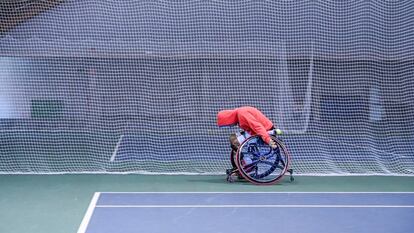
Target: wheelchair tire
258, 163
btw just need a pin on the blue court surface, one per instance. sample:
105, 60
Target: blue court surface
215, 212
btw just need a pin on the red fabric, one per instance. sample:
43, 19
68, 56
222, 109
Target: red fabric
249, 119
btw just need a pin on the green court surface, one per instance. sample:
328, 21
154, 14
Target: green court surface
57, 203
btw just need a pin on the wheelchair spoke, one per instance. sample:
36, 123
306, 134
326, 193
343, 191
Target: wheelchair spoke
270, 156
254, 173
274, 154
251, 164
267, 163
268, 152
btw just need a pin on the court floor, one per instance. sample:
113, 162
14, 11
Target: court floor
59, 203
288, 212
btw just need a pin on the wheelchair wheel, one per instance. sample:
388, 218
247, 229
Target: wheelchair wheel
258, 163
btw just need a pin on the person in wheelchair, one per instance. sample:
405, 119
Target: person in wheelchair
249, 119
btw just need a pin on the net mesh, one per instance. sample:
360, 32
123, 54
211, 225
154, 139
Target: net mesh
134, 86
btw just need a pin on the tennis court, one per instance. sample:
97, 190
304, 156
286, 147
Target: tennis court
247, 211
109, 116
59, 203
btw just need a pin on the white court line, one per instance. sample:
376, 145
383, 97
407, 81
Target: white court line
116, 148
88, 214
257, 192
255, 206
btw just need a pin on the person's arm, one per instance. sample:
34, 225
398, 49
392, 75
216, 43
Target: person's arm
257, 127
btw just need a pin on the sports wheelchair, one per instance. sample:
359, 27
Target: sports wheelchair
256, 162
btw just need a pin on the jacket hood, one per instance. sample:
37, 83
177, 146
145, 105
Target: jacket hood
227, 118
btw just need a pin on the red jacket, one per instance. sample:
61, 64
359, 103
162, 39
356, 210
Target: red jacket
249, 119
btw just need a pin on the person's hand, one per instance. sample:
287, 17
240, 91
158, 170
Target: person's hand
272, 144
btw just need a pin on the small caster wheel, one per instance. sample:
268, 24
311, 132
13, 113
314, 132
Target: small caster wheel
230, 179
292, 179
